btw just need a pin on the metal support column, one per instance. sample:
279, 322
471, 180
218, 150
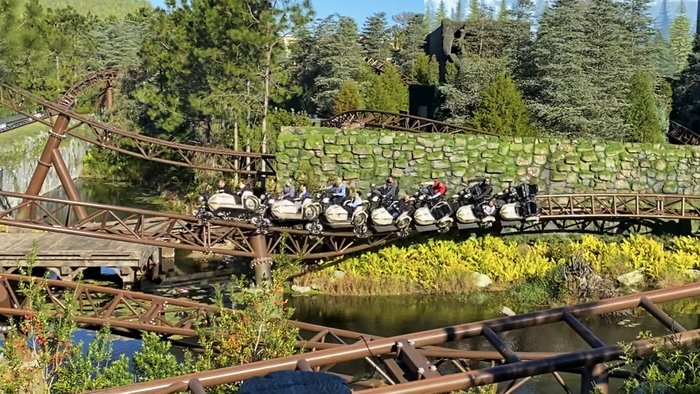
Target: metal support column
262, 262
42, 169
67, 182
109, 96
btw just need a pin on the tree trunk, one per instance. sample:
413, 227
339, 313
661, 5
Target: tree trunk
266, 97
247, 143
235, 147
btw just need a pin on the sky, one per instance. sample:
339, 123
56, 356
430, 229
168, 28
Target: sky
357, 9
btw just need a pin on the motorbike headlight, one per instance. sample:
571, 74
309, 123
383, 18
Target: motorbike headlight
375, 198
201, 199
326, 200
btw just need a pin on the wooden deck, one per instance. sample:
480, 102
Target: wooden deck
67, 255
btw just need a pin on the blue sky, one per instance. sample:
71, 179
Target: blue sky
357, 9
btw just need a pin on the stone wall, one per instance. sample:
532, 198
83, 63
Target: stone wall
557, 166
20, 152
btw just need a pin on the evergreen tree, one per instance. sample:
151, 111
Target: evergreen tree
118, 42
459, 11
440, 14
375, 42
640, 32
426, 70
582, 58
414, 41
680, 38
474, 10
503, 110
388, 93
503, 12
348, 98
641, 114
434, 67
331, 56
428, 20
664, 19
686, 91
664, 61
450, 73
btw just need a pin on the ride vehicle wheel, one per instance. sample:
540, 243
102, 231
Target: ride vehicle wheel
359, 219
314, 228
361, 230
251, 203
311, 213
403, 223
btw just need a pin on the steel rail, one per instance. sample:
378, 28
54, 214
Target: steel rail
378, 66
683, 134
144, 147
397, 121
187, 232
108, 76
437, 336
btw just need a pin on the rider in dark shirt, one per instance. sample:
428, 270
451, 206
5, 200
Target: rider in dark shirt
484, 189
224, 188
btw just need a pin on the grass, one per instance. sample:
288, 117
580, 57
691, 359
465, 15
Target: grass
32, 130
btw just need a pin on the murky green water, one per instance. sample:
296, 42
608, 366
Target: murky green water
390, 316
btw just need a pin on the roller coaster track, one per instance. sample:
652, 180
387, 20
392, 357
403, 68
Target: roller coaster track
378, 66
136, 145
683, 134
574, 212
395, 121
411, 363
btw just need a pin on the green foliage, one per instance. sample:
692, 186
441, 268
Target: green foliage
474, 11
532, 266
503, 110
503, 12
347, 99
426, 70
440, 14
388, 93
375, 37
642, 115
680, 37
411, 28
99, 8
450, 73
686, 91
118, 42
665, 371
154, 361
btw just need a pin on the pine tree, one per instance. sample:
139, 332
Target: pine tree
686, 91
414, 41
664, 21
680, 38
440, 14
474, 10
642, 115
434, 67
459, 11
421, 69
503, 12
388, 93
375, 34
503, 110
348, 98
664, 61
428, 21
450, 73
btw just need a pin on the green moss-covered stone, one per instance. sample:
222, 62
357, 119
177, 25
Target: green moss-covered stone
488, 154
314, 142
345, 158
439, 142
418, 154
459, 172
328, 167
516, 147
282, 158
457, 159
386, 140
562, 167
540, 159
660, 165
435, 156
585, 146
441, 164
400, 163
541, 149
333, 149
425, 142
614, 148
589, 157
670, 187
367, 162
558, 176
460, 142
597, 166
362, 149
523, 160
495, 168
397, 172
572, 159
437, 174
329, 138
315, 161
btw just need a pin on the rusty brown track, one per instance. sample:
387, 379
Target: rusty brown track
403, 362
378, 66
683, 134
106, 77
136, 145
397, 121
187, 232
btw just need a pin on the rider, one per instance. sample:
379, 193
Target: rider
439, 189
289, 192
404, 206
304, 192
224, 188
484, 190
339, 192
390, 189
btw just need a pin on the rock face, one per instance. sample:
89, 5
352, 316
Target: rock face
19, 158
631, 278
556, 166
481, 280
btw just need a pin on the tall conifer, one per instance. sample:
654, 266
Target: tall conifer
503, 110
642, 115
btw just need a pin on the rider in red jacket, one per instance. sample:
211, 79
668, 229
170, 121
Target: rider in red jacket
439, 189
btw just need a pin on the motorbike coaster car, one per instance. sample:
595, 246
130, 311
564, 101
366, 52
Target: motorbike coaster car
431, 214
298, 213
224, 206
466, 215
518, 205
343, 216
384, 214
